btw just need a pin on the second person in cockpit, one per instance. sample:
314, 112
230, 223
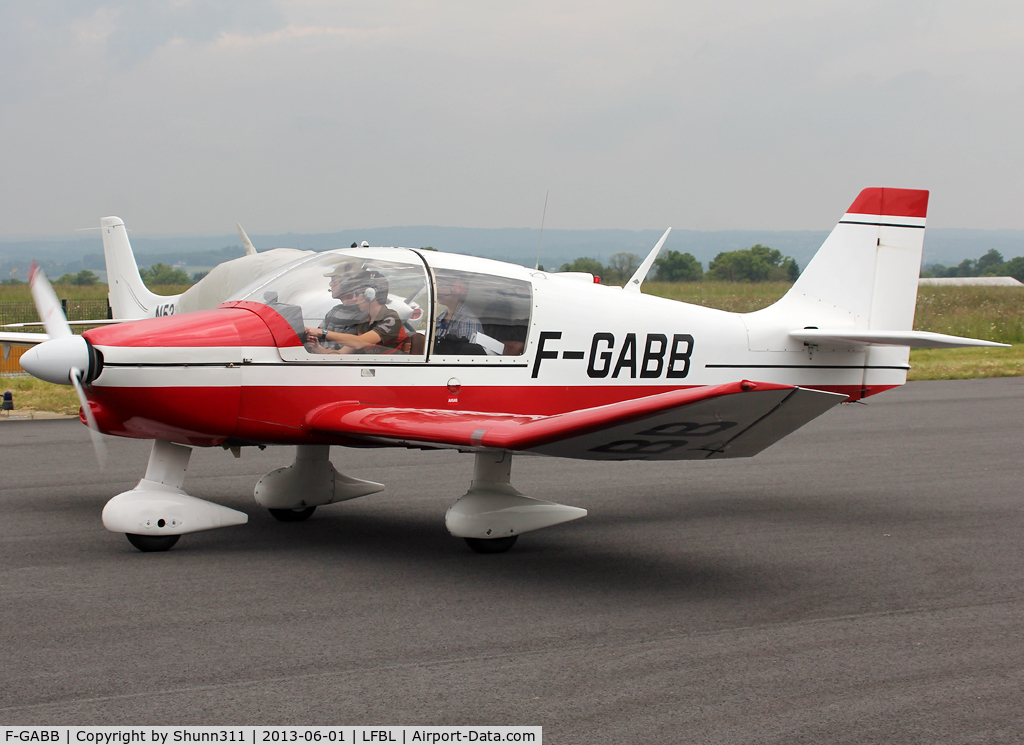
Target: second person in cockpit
381, 326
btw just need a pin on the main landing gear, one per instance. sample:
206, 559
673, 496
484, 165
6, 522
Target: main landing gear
492, 514
292, 493
291, 516
491, 545
153, 515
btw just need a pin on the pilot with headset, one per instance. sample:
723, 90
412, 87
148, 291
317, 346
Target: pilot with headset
344, 316
379, 325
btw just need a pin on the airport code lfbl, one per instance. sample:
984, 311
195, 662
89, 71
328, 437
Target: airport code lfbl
257, 735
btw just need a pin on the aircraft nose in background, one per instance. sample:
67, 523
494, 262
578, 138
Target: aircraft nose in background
53, 360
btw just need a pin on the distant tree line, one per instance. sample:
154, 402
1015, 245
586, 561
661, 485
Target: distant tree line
84, 278
161, 274
210, 257
158, 274
755, 264
989, 265
618, 270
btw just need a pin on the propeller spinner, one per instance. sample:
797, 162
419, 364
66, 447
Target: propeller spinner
65, 359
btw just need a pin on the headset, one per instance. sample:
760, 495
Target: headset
375, 287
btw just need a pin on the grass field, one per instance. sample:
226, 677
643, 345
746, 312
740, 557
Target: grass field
21, 294
738, 297
994, 313
958, 364
36, 395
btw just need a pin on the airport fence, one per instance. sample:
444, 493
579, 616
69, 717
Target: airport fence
74, 310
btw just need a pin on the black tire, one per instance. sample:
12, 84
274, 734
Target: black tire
491, 545
292, 516
149, 543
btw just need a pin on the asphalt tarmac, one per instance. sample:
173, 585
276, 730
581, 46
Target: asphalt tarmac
860, 581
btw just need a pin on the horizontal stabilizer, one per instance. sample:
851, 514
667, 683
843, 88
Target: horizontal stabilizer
922, 339
732, 420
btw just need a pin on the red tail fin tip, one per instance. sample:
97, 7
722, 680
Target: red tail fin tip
891, 202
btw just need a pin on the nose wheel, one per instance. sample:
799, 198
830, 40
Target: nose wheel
292, 516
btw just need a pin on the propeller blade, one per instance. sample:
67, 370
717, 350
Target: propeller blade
47, 304
98, 445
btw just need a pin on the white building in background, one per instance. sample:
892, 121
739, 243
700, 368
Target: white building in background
964, 281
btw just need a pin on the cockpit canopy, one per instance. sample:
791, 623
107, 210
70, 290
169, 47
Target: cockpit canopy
444, 310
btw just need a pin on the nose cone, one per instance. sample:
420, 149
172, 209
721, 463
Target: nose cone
53, 360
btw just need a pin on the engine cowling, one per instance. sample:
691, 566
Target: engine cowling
175, 378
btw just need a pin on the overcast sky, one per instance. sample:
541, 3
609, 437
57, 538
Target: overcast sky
185, 117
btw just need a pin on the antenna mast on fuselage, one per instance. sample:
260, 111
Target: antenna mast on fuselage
543, 215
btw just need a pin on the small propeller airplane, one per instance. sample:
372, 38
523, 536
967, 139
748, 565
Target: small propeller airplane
400, 347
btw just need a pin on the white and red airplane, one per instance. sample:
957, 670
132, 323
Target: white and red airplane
497, 359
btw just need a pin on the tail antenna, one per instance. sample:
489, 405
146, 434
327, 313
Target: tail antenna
542, 217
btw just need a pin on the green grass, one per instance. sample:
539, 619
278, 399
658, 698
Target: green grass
991, 313
737, 297
37, 395
21, 294
966, 362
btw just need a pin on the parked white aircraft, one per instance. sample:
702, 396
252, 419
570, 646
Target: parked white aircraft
130, 299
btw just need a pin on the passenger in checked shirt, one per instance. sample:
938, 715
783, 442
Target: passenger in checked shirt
456, 320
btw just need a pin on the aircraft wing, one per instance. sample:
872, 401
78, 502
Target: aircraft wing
94, 322
22, 338
726, 421
12, 338
30, 339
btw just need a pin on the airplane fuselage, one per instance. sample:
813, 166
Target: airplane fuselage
242, 374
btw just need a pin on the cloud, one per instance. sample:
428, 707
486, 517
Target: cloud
314, 116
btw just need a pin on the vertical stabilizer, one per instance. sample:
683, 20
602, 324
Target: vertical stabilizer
866, 272
128, 296
863, 278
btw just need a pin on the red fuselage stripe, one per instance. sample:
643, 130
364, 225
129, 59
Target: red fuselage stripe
210, 415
